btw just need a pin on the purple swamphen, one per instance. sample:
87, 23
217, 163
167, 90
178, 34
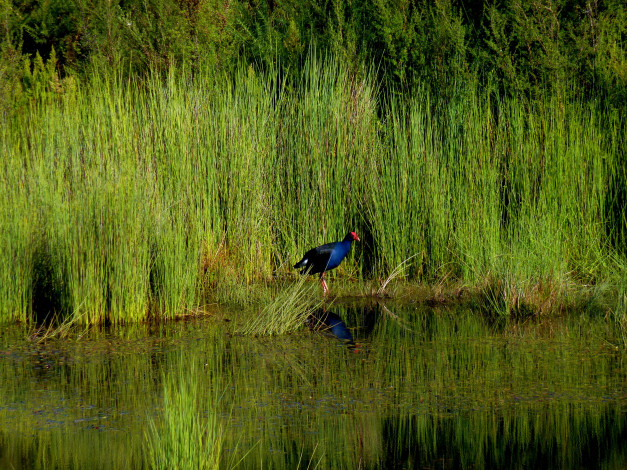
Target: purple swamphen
326, 257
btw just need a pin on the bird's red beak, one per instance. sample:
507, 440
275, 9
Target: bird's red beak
355, 237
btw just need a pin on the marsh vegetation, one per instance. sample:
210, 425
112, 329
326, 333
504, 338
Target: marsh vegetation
164, 163
160, 155
123, 201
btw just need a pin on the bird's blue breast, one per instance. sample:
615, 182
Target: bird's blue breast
338, 254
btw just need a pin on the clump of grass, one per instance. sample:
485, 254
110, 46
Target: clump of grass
398, 271
501, 297
57, 328
288, 311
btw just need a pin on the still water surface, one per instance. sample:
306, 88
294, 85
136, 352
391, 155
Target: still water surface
414, 387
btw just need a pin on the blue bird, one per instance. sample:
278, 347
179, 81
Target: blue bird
326, 257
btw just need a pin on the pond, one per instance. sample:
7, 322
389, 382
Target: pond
400, 386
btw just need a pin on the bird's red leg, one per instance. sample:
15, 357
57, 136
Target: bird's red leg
324, 284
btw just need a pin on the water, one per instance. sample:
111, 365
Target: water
414, 388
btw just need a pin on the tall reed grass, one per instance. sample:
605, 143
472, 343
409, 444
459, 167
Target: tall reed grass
121, 200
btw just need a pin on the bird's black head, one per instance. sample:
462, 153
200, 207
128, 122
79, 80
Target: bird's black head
351, 236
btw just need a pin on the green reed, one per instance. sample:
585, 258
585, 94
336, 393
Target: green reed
121, 200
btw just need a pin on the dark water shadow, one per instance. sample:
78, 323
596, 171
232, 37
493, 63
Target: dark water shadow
453, 435
49, 291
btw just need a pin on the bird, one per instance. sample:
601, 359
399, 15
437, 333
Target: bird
326, 257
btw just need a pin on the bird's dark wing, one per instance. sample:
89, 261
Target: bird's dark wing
323, 250
318, 257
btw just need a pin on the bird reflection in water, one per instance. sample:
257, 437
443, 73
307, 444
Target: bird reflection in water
331, 324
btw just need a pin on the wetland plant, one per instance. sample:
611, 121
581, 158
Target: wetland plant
287, 312
148, 195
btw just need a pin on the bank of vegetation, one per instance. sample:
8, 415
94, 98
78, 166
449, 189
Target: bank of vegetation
156, 155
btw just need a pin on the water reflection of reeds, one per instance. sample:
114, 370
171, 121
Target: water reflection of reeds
449, 391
